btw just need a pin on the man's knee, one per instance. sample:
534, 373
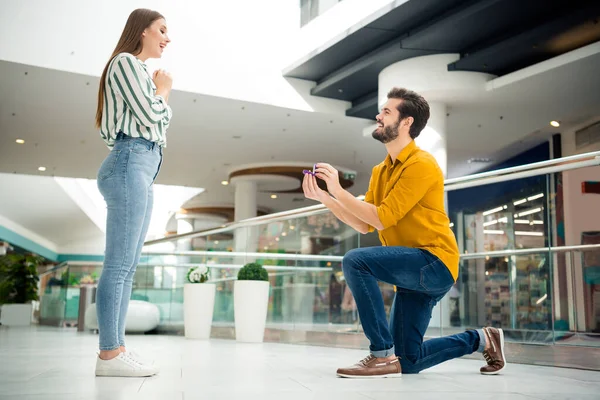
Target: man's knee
351, 260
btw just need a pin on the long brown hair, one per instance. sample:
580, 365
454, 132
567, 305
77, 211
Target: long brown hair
130, 42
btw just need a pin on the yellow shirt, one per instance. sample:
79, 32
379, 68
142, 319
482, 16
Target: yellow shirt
409, 196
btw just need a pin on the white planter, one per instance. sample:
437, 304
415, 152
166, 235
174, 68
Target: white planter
16, 314
198, 307
250, 304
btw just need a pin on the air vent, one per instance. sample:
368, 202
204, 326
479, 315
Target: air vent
476, 160
588, 135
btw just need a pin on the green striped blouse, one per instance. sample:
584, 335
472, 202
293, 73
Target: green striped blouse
131, 105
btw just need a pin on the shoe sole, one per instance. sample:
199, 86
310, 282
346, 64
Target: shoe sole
126, 374
503, 356
398, 375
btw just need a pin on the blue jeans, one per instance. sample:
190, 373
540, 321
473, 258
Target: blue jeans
125, 180
421, 280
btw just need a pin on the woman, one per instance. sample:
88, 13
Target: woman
133, 117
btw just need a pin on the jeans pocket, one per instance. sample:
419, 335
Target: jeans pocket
141, 147
435, 277
109, 166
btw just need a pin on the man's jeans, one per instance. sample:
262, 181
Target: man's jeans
125, 180
421, 280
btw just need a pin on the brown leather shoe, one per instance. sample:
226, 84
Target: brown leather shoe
494, 355
372, 367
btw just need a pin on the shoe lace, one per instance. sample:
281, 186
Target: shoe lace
489, 359
131, 360
365, 360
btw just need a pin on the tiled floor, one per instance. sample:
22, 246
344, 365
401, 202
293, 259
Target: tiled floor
47, 363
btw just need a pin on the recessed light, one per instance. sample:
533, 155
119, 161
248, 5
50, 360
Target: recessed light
20, 141
224, 183
216, 242
42, 169
555, 124
273, 196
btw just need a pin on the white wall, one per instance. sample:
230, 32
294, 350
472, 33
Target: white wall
235, 49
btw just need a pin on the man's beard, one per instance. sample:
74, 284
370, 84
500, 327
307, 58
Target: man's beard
387, 133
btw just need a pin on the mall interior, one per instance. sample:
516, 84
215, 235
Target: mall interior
263, 90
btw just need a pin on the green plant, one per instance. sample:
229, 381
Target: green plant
198, 274
253, 272
19, 278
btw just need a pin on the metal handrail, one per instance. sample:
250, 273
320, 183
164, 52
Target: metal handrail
485, 178
526, 167
314, 257
53, 269
517, 252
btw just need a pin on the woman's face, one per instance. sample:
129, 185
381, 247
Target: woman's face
155, 39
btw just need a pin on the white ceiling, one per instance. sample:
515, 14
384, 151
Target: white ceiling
40, 205
53, 112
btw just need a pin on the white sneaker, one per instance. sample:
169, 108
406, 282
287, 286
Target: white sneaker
123, 365
142, 360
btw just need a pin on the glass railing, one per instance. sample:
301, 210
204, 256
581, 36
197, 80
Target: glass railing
530, 262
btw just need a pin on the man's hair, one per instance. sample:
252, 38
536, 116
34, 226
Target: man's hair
412, 105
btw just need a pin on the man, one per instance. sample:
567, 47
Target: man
405, 203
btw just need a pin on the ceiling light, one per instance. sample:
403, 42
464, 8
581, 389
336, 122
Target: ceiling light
522, 221
216, 242
520, 233
490, 223
537, 196
277, 239
555, 124
292, 227
524, 213
495, 210
544, 297
224, 183
283, 233
42, 169
451, 224
516, 203
20, 141
273, 196
493, 232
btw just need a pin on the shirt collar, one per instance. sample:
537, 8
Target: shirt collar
403, 156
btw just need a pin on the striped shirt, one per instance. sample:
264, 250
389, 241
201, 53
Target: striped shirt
130, 103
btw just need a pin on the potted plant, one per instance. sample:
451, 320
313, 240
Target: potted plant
250, 303
198, 303
18, 288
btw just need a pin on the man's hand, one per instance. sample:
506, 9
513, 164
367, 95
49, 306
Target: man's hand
331, 177
312, 190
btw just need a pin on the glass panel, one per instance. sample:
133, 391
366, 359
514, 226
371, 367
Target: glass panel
513, 293
502, 216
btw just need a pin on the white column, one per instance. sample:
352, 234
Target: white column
185, 224
245, 199
433, 137
245, 239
